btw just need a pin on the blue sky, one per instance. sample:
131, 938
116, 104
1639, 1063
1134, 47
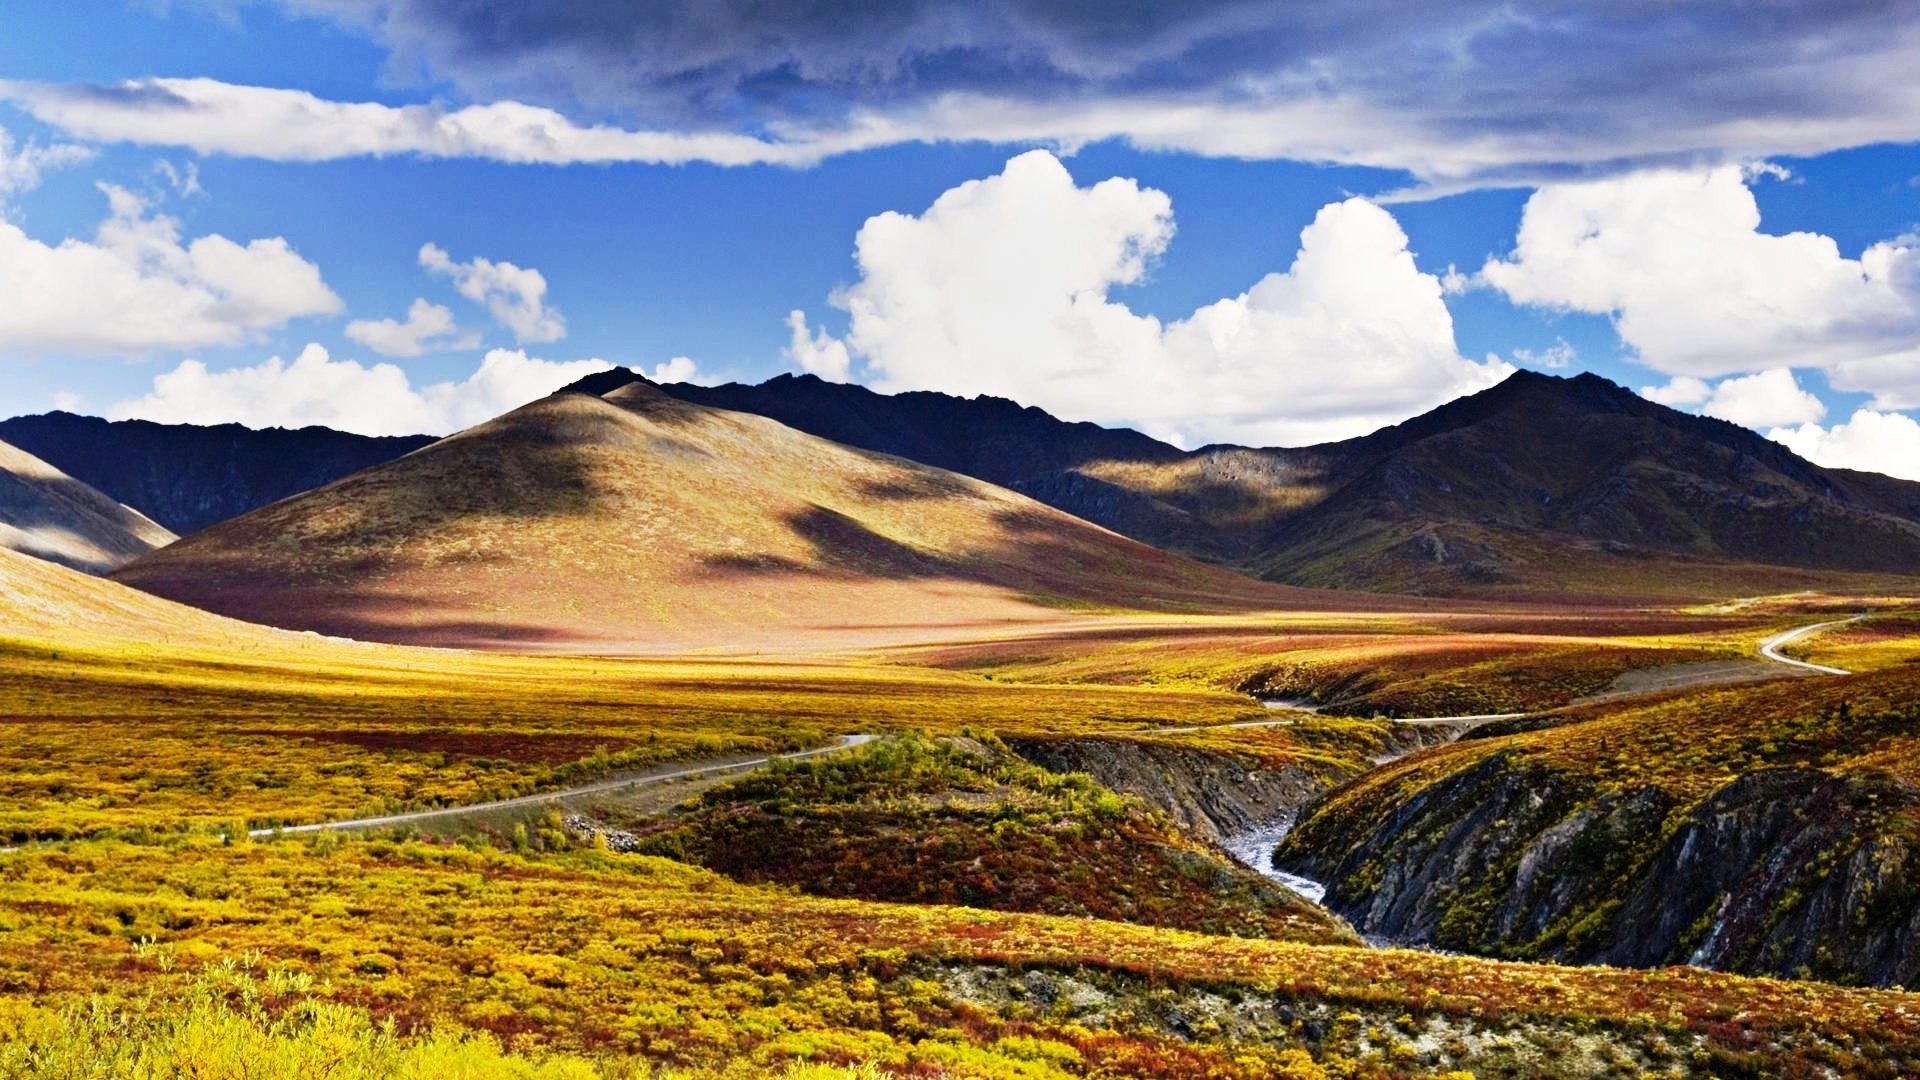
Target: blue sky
1234, 222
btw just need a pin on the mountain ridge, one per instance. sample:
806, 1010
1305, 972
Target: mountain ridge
189, 476
1659, 491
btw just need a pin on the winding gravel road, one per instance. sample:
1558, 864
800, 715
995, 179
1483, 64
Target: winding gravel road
1770, 648
845, 742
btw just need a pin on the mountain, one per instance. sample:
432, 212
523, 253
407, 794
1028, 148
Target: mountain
186, 476
48, 514
639, 521
1570, 481
1538, 484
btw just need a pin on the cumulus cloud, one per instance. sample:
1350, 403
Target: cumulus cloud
1001, 287
680, 369
1679, 392
1472, 92
821, 354
346, 395
428, 326
515, 297
1870, 440
1768, 399
137, 287
1678, 260
1771, 398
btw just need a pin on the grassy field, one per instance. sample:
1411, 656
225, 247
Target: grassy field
115, 734
1392, 664
620, 956
124, 711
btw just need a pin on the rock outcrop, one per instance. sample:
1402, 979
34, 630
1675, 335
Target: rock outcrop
1782, 871
1207, 793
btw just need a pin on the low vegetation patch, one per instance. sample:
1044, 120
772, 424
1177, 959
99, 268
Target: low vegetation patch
964, 821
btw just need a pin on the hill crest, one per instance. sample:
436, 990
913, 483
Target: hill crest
50, 515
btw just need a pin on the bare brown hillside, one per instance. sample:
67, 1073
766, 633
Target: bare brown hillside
640, 522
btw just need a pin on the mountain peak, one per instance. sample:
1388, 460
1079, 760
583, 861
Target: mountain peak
602, 383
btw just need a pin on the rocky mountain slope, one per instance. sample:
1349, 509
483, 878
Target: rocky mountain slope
186, 476
1765, 830
1539, 484
638, 522
48, 514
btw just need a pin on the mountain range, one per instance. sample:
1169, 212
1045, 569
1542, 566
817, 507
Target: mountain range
1539, 486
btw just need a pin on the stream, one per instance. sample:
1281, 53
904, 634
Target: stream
1254, 850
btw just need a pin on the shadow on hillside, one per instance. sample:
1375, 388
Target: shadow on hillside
1027, 555
61, 502
917, 486
533, 467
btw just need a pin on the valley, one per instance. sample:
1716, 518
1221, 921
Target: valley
623, 732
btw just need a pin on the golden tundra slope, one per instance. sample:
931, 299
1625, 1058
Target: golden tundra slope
638, 522
48, 514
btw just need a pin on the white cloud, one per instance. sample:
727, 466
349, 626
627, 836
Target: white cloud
183, 180
136, 287
1680, 391
1000, 287
1679, 261
516, 297
1872, 441
680, 369
822, 354
1555, 356
21, 166
1768, 399
214, 117
1772, 398
343, 394
67, 401
428, 326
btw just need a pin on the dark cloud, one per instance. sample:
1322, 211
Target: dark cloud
1456, 92
716, 57
729, 59
1595, 68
